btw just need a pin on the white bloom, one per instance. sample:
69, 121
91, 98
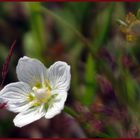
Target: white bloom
39, 92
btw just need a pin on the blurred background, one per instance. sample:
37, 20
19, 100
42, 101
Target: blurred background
101, 42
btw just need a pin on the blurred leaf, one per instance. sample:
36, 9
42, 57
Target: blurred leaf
29, 45
111, 131
133, 90
75, 56
70, 111
36, 39
90, 80
102, 26
80, 12
138, 14
118, 12
67, 35
127, 88
68, 26
130, 86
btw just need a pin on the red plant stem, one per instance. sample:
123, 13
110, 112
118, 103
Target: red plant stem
5, 67
3, 105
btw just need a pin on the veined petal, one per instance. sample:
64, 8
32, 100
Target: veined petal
31, 71
15, 92
19, 106
58, 104
59, 76
15, 95
29, 116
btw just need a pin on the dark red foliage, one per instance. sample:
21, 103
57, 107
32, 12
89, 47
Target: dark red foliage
3, 105
104, 54
127, 61
5, 67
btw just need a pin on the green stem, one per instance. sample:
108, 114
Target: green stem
70, 111
77, 33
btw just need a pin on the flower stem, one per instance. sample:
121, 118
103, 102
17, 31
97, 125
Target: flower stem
70, 111
77, 33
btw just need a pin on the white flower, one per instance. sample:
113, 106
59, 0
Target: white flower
39, 92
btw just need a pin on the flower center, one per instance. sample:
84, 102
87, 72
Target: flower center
42, 94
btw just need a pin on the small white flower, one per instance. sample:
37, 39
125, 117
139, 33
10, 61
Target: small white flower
39, 92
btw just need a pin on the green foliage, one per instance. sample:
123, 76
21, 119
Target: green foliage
102, 25
78, 33
35, 39
130, 88
90, 82
65, 32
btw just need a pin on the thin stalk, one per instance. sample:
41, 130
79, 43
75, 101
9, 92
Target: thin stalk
77, 33
70, 111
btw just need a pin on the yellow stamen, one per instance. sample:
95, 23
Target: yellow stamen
48, 84
38, 85
41, 94
30, 97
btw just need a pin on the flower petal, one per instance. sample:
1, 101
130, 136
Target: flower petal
57, 106
29, 116
18, 107
59, 76
15, 95
30, 71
